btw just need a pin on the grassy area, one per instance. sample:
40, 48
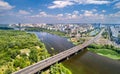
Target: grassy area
77, 41
19, 49
105, 50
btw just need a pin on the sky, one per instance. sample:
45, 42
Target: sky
59, 11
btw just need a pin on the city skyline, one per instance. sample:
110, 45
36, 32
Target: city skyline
60, 11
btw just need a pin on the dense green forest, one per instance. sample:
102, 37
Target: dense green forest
19, 49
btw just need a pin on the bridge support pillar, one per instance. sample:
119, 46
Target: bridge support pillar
81, 49
67, 58
76, 53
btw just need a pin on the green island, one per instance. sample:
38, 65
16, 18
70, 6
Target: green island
19, 49
106, 50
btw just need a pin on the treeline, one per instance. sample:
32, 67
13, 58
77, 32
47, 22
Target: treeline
111, 47
59, 33
105, 34
6, 28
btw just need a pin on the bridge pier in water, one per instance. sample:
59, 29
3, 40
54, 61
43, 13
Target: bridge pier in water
67, 58
76, 53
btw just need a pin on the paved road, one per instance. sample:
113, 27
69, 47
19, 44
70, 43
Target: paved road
53, 59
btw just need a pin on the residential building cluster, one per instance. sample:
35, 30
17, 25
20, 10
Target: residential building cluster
115, 30
69, 28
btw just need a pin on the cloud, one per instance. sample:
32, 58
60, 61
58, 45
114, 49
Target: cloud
88, 13
73, 15
94, 10
87, 16
64, 3
42, 14
117, 5
59, 15
117, 14
5, 5
23, 12
75, 12
103, 11
99, 2
60, 4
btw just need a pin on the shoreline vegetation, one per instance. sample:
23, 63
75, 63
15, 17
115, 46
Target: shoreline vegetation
100, 49
108, 51
20, 49
59, 33
104, 47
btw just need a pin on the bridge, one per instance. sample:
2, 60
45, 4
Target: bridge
56, 58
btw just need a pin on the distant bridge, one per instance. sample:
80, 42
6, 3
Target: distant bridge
56, 58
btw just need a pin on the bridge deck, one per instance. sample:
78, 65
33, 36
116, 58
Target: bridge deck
58, 57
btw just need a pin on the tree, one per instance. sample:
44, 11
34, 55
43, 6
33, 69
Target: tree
20, 63
14, 53
8, 71
33, 56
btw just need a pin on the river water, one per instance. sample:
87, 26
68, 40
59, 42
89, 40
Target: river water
85, 62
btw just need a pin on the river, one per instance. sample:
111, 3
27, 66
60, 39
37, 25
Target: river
85, 62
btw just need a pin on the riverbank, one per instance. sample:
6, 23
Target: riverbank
19, 50
59, 33
113, 53
105, 50
74, 40
104, 47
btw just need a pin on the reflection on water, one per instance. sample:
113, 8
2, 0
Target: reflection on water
53, 41
84, 62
